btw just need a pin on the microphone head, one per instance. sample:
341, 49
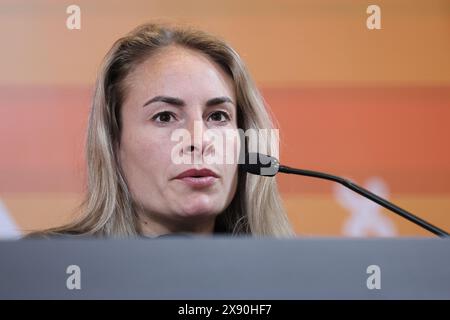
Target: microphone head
259, 164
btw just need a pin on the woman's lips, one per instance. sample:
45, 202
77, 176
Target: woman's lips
199, 182
198, 178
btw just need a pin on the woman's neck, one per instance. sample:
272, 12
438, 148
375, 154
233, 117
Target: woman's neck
150, 226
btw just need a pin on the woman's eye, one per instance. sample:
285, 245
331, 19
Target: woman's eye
219, 116
163, 116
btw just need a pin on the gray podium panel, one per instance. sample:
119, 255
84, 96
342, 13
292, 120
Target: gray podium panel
226, 268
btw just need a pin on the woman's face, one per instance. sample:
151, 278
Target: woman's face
177, 88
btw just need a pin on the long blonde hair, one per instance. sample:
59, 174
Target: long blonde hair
108, 208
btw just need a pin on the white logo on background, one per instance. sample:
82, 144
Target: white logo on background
374, 20
73, 22
374, 280
365, 216
8, 228
224, 146
74, 280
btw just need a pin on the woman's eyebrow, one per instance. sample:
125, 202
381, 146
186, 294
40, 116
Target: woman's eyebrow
218, 100
170, 100
180, 103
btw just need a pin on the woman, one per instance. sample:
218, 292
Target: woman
153, 81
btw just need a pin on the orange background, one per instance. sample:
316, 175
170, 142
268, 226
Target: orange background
350, 101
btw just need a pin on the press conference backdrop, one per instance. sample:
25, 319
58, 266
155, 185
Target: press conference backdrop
370, 105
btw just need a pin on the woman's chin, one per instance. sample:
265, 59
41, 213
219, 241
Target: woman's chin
198, 208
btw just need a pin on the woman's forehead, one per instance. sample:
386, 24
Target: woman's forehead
176, 70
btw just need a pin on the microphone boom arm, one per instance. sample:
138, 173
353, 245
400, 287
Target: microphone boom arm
366, 193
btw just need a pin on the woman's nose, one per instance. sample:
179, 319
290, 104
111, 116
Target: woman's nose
191, 148
199, 141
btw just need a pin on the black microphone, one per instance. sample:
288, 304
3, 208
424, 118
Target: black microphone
264, 165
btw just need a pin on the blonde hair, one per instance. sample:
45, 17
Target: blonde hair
109, 209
